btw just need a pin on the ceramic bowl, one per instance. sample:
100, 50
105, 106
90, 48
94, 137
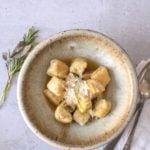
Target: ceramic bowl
122, 91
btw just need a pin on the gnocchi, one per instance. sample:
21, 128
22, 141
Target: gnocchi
52, 97
58, 68
101, 75
102, 108
56, 86
78, 66
95, 88
77, 93
62, 114
81, 118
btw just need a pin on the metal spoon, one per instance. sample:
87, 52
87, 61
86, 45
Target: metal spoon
144, 87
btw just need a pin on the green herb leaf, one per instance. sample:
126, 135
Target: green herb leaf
76, 91
30, 36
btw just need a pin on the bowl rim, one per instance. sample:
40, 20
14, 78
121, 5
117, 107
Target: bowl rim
50, 40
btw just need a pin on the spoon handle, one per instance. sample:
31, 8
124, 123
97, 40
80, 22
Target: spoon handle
137, 113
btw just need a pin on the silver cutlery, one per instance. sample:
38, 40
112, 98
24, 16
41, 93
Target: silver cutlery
144, 88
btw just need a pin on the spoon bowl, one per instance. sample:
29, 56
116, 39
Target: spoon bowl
144, 82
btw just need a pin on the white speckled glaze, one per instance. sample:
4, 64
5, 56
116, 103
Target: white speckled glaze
122, 90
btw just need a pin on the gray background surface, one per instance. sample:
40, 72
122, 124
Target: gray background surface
127, 22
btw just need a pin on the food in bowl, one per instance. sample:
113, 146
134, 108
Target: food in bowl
122, 90
77, 91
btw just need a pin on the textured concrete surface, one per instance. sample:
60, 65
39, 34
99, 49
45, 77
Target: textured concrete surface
127, 22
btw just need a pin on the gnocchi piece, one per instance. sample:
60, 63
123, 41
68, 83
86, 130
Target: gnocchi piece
62, 114
102, 108
101, 74
58, 68
78, 66
95, 88
53, 98
56, 86
84, 103
81, 118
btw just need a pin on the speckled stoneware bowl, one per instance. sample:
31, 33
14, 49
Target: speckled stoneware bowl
122, 90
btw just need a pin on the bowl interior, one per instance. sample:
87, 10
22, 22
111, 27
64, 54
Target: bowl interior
121, 92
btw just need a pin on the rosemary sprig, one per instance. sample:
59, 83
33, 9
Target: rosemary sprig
15, 59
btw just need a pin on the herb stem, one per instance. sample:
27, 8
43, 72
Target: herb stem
5, 90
